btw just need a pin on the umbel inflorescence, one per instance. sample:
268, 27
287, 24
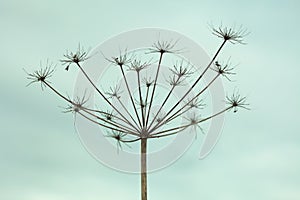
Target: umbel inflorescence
131, 114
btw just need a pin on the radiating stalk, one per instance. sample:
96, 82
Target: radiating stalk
141, 98
130, 95
154, 86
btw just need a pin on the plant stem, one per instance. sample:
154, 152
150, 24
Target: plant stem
141, 98
154, 86
144, 168
146, 103
130, 95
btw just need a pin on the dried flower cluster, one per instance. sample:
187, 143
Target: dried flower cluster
144, 122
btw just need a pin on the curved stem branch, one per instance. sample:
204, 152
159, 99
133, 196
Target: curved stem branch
130, 141
58, 93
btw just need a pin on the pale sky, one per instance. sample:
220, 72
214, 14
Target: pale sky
258, 155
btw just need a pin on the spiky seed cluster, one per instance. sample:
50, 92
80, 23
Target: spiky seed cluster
223, 69
236, 101
193, 120
164, 47
147, 81
160, 116
42, 75
121, 60
181, 71
233, 35
118, 136
109, 115
196, 103
77, 104
175, 80
138, 65
142, 103
79, 56
114, 92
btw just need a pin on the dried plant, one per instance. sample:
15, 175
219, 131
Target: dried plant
142, 122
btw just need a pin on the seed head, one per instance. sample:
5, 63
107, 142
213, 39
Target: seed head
118, 136
164, 47
109, 115
175, 81
77, 104
42, 75
147, 81
233, 35
193, 120
138, 65
196, 103
79, 56
181, 71
223, 69
121, 60
114, 92
236, 101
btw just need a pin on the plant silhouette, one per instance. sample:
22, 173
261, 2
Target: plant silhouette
141, 121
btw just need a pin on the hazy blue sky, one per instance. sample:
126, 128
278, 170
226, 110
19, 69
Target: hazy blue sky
258, 155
